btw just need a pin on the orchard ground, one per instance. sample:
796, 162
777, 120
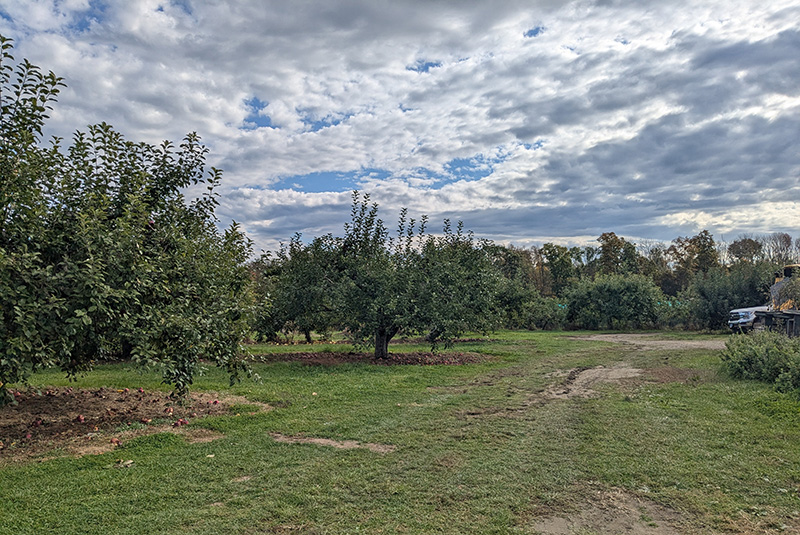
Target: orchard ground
548, 433
96, 420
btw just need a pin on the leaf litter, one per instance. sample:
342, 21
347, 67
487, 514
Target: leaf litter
81, 421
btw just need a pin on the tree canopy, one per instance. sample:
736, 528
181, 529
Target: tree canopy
101, 255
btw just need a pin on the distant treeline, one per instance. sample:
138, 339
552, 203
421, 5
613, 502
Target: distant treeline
671, 266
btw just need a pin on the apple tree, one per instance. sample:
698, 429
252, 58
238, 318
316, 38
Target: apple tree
101, 254
375, 285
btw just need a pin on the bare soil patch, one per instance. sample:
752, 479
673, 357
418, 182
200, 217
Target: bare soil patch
650, 341
613, 512
579, 382
340, 444
92, 421
394, 359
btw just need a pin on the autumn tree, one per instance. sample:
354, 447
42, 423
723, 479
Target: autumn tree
745, 250
558, 261
692, 255
617, 255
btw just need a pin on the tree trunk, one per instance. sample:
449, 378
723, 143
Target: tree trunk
307, 333
382, 337
127, 349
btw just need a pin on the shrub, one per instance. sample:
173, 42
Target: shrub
542, 313
711, 295
613, 302
764, 356
672, 313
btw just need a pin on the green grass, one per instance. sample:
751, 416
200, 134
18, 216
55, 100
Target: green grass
473, 453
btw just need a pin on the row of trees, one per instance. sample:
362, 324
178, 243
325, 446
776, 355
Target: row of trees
672, 266
692, 282
310, 287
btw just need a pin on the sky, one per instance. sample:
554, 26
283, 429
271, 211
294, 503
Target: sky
531, 121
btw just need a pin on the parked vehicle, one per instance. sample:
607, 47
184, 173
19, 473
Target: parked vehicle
741, 320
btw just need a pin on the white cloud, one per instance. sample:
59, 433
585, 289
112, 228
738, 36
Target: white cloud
648, 119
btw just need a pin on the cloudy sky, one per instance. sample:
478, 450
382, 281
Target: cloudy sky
531, 121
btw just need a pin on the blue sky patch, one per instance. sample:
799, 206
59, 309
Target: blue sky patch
423, 66
455, 170
534, 32
469, 168
256, 119
536, 145
322, 181
315, 125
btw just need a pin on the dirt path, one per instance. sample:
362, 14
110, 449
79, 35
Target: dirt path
653, 341
580, 382
339, 444
613, 512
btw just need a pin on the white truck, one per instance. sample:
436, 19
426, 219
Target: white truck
741, 320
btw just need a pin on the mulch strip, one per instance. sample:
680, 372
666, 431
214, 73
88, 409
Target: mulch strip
395, 359
49, 418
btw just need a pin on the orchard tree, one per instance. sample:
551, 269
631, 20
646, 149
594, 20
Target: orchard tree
302, 297
455, 286
376, 286
101, 255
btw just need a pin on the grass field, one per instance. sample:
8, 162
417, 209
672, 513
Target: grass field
660, 441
